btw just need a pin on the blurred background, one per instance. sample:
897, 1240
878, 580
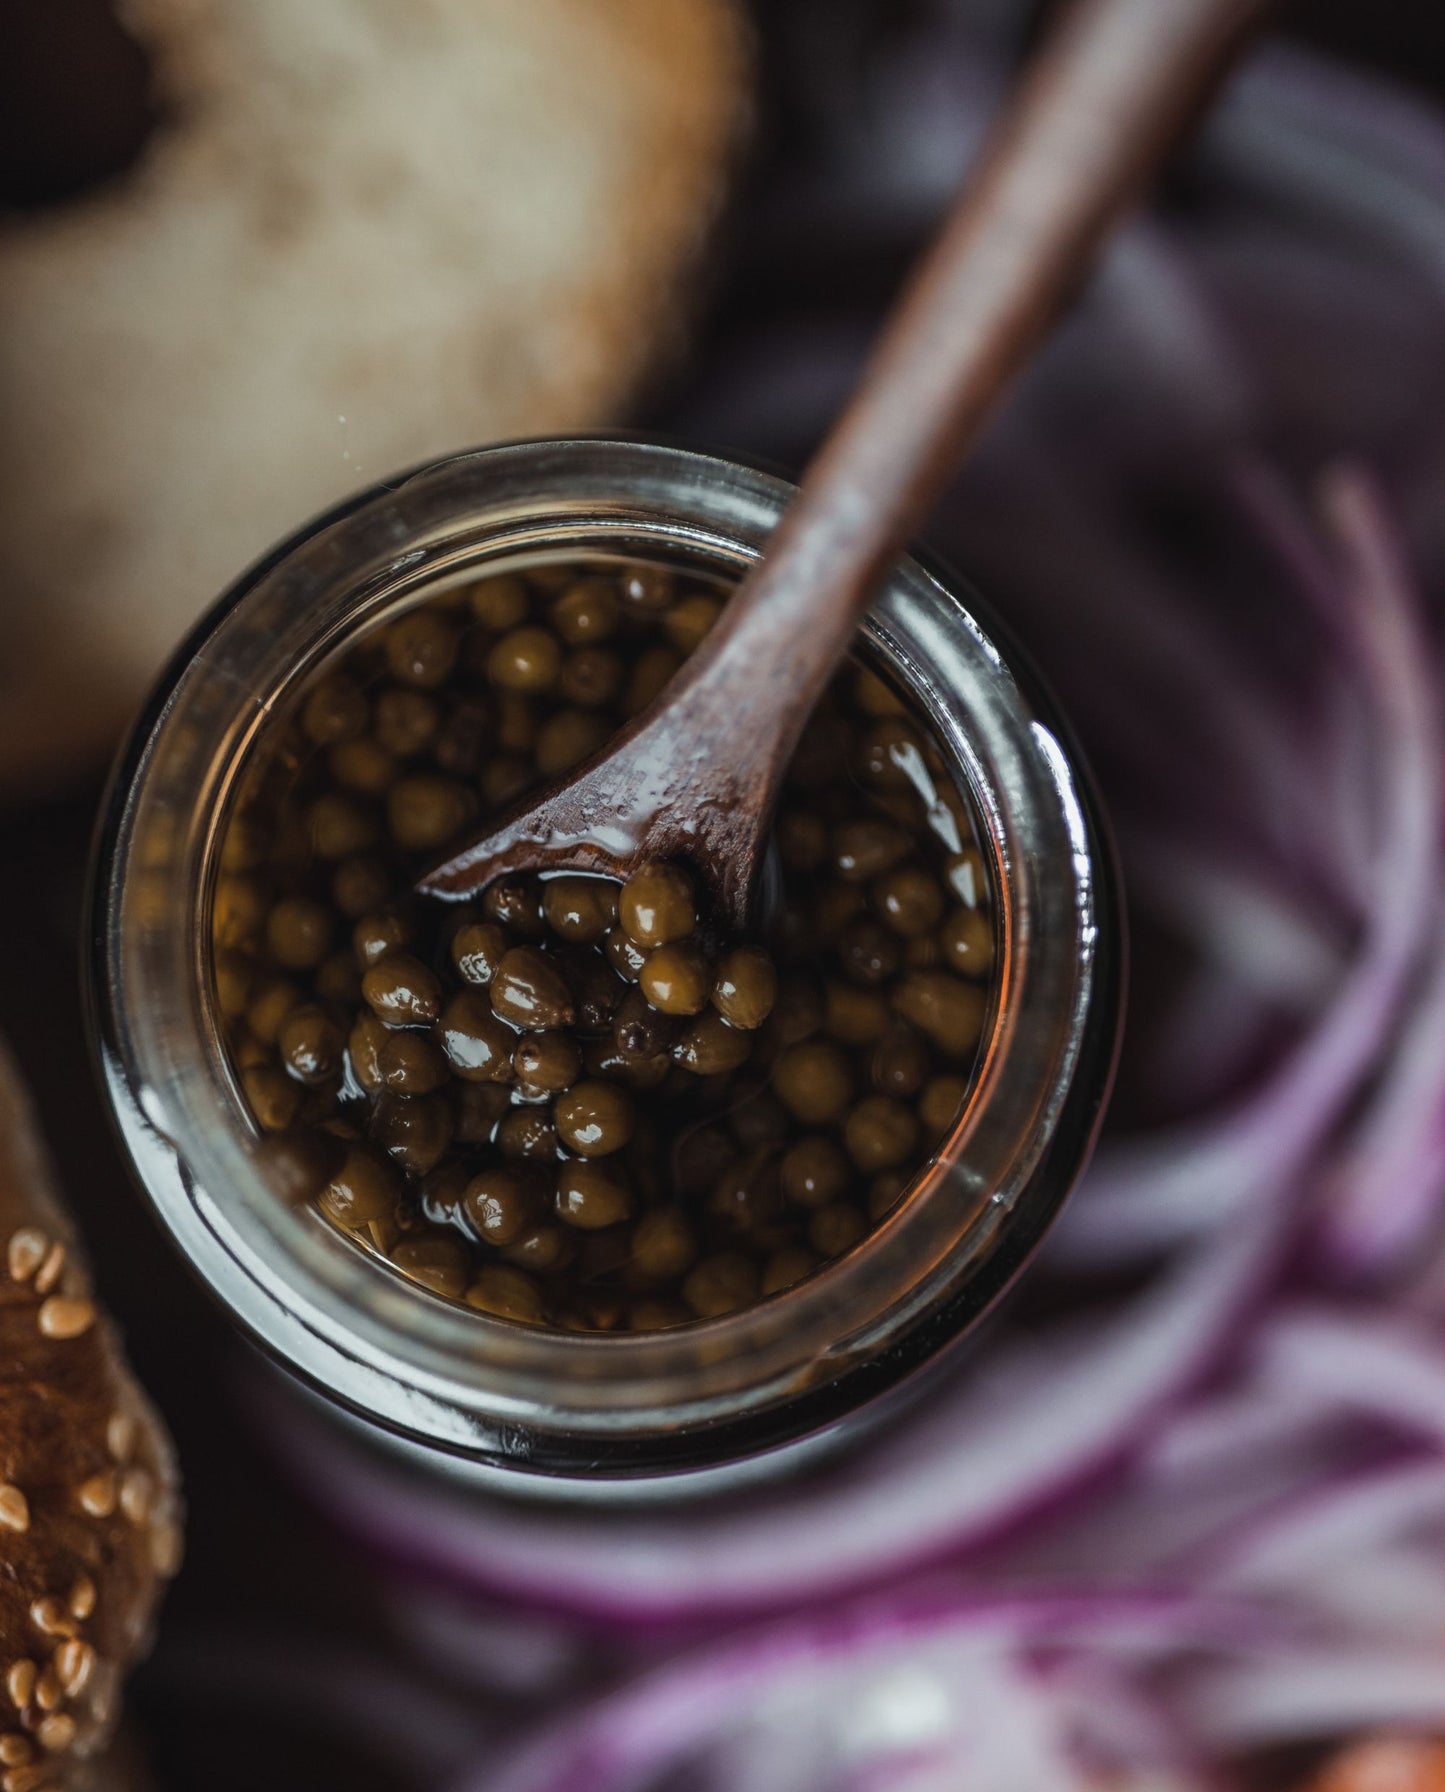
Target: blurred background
254, 255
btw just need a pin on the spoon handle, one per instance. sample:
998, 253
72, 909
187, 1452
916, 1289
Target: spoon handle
1115, 87
696, 775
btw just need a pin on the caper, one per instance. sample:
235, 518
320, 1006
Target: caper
663, 1245
411, 1064
434, 1259
909, 900
880, 1133
708, 1046
656, 907
516, 904
530, 991
477, 1045
947, 1009
594, 1118
335, 710
688, 622
591, 677
406, 722
375, 936
507, 1293
786, 1268
339, 826
547, 1063
866, 847
311, 1043
499, 1205
967, 942
424, 812
586, 612
591, 1197
815, 1080
745, 987
414, 1131
833, 1230
677, 979
299, 932
401, 991
500, 602
526, 659
579, 909
939, 1104
566, 739
527, 1133
478, 947
900, 1062
421, 648
365, 1188
721, 1284
814, 1172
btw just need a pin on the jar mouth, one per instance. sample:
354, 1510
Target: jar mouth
556, 1401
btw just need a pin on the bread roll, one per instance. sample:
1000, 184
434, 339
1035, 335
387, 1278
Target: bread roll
90, 1517
363, 235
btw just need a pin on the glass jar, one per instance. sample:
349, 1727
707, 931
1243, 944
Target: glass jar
746, 1395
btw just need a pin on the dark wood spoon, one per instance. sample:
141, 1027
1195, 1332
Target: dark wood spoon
695, 777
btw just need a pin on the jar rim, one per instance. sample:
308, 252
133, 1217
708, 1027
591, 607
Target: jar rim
573, 1403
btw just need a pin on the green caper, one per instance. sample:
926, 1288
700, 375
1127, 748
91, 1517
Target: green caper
364, 1189
591, 1197
567, 738
909, 899
579, 909
414, 1131
967, 942
689, 621
411, 1064
594, 1118
651, 673
656, 906
406, 722
437, 1260
880, 1133
708, 1046
721, 1284
340, 826
786, 1268
663, 1245
526, 659
362, 765
500, 602
424, 812
299, 932
499, 1205
375, 936
547, 1063
359, 885
866, 847
900, 1062
745, 987
527, 1133
311, 1043
586, 612
530, 991
833, 1230
477, 1045
591, 677
677, 979
814, 1172
506, 1293
401, 991
334, 711
364, 1047
478, 947
946, 1008
421, 648
814, 1080
940, 1102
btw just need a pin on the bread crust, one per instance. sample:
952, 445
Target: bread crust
90, 1511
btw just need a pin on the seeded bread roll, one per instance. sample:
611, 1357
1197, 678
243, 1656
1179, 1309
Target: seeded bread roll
90, 1517
361, 236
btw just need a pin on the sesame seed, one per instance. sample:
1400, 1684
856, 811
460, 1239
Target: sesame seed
14, 1508
48, 1273
15, 1750
82, 1597
167, 1547
48, 1690
74, 1662
20, 1683
57, 1732
120, 1435
66, 1316
26, 1252
97, 1495
137, 1495
48, 1617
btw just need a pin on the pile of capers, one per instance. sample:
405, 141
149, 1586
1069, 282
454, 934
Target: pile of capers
570, 1102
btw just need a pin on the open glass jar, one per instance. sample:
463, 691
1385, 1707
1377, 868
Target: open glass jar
750, 1392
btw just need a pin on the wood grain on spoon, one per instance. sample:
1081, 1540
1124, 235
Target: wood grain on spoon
695, 777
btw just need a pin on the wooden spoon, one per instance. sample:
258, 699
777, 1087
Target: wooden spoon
696, 776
